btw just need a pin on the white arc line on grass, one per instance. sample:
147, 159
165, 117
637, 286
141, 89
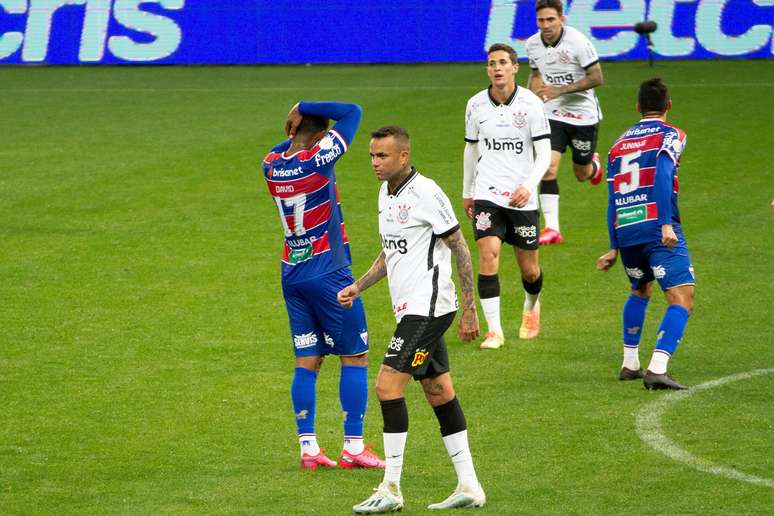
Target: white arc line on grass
649, 429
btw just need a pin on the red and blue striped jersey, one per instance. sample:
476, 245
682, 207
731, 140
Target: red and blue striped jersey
642, 182
303, 186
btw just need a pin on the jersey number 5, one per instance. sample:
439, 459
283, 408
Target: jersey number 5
630, 166
297, 202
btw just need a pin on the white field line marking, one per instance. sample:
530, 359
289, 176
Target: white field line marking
339, 88
648, 426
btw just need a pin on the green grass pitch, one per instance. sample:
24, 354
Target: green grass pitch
145, 358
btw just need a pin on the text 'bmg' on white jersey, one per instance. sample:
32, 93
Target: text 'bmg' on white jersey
565, 62
412, 222
505, 133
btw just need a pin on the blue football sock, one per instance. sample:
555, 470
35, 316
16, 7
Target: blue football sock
633, 319
353, 393
671, 329
302, 391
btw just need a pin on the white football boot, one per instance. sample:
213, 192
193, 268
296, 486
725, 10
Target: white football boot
386, 498
465, 496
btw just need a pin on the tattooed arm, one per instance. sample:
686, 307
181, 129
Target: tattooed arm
378, 270
468, 325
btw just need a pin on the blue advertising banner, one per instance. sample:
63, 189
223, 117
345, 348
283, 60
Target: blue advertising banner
362, 31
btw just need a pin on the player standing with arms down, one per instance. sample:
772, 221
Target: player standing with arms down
565, 71
644, 226
419, 235
507, 151
315, 266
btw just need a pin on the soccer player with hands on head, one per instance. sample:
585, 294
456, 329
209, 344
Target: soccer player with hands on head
646, 232
419, 234
299, 173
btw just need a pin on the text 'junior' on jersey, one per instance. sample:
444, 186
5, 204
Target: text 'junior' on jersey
303, 186
413, 220
642, 182
505, 134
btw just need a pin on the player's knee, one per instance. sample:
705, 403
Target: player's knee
582, 172
488, 261
385, 392
681, 297
530, 273
356, 360
437, 393
312, 363
644, 291
551, 172
687, 303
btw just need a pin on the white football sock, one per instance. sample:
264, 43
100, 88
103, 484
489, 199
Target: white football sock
631, 357
550, 205
459, 452
658, 362
530, 300
394, 446
354, 445
308, 444
491, 307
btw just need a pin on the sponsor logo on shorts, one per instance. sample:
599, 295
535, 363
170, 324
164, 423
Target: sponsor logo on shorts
328, 339
483, 221
581, 145
364, 337
690, 270
305, 340
526, 231
659, 271
419, 358
634, 272
396, 343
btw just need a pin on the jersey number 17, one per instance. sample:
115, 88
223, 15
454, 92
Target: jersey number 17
297, 202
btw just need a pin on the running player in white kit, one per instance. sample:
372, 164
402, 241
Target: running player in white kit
565, 70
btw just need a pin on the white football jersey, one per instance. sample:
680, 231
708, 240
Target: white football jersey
565, 62
505, 133
412, 222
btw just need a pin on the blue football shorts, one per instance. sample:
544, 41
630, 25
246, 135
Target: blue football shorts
318, 323
670, 267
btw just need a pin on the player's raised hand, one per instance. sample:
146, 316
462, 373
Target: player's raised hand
468, 328
293, 121
668, 237
467, 206
519, 198
607, 260
347, 295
